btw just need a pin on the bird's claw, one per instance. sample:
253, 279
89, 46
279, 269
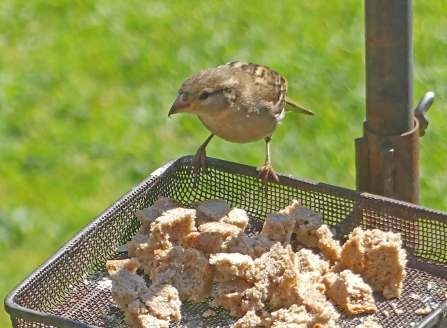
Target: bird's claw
198, 163
265, 172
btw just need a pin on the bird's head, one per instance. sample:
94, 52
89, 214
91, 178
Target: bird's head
205, 92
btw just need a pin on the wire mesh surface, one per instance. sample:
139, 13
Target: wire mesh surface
72, 288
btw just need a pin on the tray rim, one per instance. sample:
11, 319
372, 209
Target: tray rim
18, 311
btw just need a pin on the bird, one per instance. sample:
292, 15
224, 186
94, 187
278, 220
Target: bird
239, 102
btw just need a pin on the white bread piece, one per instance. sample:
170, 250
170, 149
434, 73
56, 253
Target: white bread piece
330, 248
253, 246
228, 266
224, 229
205, 242
278, 227
115, 266
379, 257
177, 223
167, 265
275, 276
212, 210
127, 287
237, 217
350, 292
149, 214
163, 302
135, 242
196, 278
307, 222
249, 320
231, 295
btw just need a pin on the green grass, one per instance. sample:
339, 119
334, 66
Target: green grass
85, 88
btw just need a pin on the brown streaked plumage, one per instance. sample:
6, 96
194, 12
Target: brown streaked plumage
239, 102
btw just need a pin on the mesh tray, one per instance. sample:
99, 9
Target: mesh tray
71, 289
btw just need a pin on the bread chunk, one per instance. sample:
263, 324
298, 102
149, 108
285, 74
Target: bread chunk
162, 301
177, 223
278, 227
126, 287
275, 276
249, 320
228, 266
149, 214
379, 257
237, 217
115, 266
224, 229
330, 248
307, 222
196, 277
350, 292
167, 265
232, 296
253, 246
205, 242
135, 242
212, 210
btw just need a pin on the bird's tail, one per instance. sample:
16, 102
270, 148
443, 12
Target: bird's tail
292, 106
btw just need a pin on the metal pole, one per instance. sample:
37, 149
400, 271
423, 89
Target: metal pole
387, 157
389, 66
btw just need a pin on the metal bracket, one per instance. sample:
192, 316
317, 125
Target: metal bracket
389, 165
421, 109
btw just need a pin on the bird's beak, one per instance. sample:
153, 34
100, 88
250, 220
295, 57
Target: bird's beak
181, 105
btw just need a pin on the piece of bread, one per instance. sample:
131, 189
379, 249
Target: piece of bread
168, 230
295, 316
307, 222
350, 292
253, 246
231, 295
167, 265
228, 266
144, 252
135, 242
127, 287
237, 217
177, 223
163, 302
278, 227
379, 257
196, 278
249, 320
330, 248
155, 307
212, 210
205, 242
149, 214
115, 266
224, 229
275, 276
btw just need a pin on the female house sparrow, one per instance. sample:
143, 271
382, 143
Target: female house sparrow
239, 102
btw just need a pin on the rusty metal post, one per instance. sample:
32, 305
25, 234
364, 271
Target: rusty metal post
387, 157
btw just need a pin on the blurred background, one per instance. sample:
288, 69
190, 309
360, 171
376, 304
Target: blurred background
85, 88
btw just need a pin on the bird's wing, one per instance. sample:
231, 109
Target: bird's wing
292, 106
272, 84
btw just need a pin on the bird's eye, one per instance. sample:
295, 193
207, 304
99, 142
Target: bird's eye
204, 95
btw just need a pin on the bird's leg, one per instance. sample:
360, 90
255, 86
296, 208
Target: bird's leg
267, 169
198, 161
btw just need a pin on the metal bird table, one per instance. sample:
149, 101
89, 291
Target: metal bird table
71, 288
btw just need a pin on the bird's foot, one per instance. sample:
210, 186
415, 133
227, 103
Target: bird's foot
265, 172
198, 163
